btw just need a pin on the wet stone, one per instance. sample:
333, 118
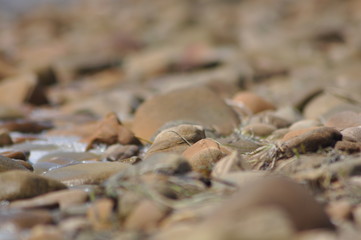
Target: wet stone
86, 173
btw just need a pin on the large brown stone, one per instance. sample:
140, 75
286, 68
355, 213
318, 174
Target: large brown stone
196, 104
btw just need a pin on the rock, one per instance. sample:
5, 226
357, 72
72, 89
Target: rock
100, 214
352, 134
228, 164
254, 103
306, 123
86, 173
146, 216
342, 120
5, 139
21, 184
7, 164
165, 163
204, 154
62, 198
267, 117
259, 129
339, 210
279, 192
118, 152
176, 139
237, 179
110, 131
312, 141
25, 126
21, 155
72, 225
321, 104
43, 232
349, 147
25, 219
196, 104
63, 158
25, 164
27, 88
317, 235
295, 133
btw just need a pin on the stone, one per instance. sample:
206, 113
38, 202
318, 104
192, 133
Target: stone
118, 152
165, 163
204, 154
86, 173
25, 126
63, 157
5, 139
195, 104
100, 214
352, 134
259, 129
278, 192
61, 198
305, 123
25, 219
146, 216
253, 102
340, 210
349, 147
317, 234
44, 232
21, 155
7, 164
344, 119
228, 164
110, 131
321, 104
17, 184
297, 132
268, 117
176, 139
312, 141
27, 88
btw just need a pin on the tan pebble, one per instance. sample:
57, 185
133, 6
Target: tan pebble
259, 129
100, 214
297, 132
146, 216
339, 210
46, 232
349, 147
253, 102
204, 154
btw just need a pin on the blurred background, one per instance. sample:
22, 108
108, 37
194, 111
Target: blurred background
283, 49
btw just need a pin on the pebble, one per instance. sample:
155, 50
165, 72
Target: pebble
352, 134
253, 102
282, 193
25, 219
297, 132
86, 173
17, 184
204, 154
21, 155
7, 164
146, 216
344, 119
44, 232
5, 139
176, 139
118, 152
305, 123
61, 198
195, 104
312, 141
259, 129
110, 131
349, 147
165, 163
228, 164
100, 214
